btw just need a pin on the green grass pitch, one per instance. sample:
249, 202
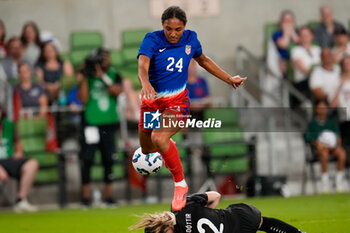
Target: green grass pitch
313, 214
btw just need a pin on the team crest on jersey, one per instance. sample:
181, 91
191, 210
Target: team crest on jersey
188, 49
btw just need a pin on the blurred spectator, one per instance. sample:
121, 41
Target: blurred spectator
324, 79
14, 57
132, 101
341, 98
98, 91
2, 40
30, 38
342, 44
49, 37
50, 69
29, 95
199, 92
304, 56
75, 105
284, 37
13, 164
325, 29
323, 135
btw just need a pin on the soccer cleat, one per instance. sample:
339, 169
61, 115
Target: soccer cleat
179, 200
24, 206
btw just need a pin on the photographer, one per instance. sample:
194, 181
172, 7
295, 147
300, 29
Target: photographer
97, 92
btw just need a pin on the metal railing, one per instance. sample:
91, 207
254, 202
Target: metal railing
246, 98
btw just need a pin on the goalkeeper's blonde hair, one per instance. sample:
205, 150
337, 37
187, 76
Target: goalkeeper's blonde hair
158, 223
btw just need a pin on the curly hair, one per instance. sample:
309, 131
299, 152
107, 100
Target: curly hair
156, 223
174, 12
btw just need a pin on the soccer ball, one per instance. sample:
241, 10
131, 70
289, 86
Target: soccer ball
328, 138
146, 164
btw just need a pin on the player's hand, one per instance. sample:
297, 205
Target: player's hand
3, 175
148, 92
237, 81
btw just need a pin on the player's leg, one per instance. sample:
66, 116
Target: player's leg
340, 154
86, 155
24, 171
28, 173
108, 151
161, 139
145, 138
167, 148
273, 225
323, 154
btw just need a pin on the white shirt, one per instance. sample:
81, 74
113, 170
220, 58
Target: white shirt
344, 100
308, 58
343, 54
325, 79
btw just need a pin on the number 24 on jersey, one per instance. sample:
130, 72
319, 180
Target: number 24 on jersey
178, 64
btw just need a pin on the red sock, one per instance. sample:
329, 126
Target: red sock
173, 163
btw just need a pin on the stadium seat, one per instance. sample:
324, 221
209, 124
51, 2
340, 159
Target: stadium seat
86, 40
226, 152
133, 37
129, 56
117, 60
131, 41
32, 133
77, 57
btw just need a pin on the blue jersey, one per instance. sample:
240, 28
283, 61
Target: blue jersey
168, 70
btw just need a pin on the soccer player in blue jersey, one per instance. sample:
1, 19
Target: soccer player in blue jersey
163, 61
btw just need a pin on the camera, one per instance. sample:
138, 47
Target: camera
90, 63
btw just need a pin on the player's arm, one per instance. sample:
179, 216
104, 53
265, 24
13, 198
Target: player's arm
83, 91
301, 66
147, 91
215, 70
18, 153
113, 88
213, 199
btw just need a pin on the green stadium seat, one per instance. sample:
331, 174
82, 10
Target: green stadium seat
65, 56
32, 133
86, 40
226, 115
133, 37
77, 57
131, 74
117, 59
227, 151
226, 154
129, 55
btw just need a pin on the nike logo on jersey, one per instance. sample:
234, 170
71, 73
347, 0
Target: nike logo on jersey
161, 50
